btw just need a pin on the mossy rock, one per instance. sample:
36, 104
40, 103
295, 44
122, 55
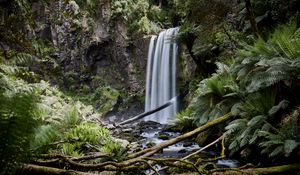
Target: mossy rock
105, 99
163, 137
203, 137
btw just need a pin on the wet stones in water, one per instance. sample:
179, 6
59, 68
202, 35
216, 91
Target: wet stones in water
187, 144
163, 136
227, 163
150, 144
135, 147
182, 151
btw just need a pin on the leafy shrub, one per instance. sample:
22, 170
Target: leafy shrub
18, 119
283, 141
267, 63
185, 120
69, 127
256, 113
135, 13
216, 96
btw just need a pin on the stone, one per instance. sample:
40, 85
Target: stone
182, 151
110, 126
127, 130
163, 137
124, 143
187, 144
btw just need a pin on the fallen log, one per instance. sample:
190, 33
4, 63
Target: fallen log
150, 151
287, 169
35, 169
142, 115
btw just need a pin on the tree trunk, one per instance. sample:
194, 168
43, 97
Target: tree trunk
251, 16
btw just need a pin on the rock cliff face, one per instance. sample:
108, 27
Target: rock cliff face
92, 49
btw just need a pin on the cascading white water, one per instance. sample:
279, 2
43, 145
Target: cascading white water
161, 76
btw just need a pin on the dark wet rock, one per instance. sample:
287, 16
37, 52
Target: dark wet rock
182, 151
149, 125
150, 144
187, 144
209, 166
203, 137
163, 137
245, 153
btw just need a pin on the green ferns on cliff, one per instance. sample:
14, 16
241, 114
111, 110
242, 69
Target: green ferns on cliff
135, 14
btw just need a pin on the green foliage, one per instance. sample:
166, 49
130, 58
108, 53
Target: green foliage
71, 118
216, 96
247, 89
184, 120
44, 138
118, 152
267, 63
283, 141
201, 10
283, 42
256, 114
134, 13
71, 136
18, 106
69, 127
104, 99
83, 136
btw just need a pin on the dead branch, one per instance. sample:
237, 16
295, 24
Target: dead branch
204, 148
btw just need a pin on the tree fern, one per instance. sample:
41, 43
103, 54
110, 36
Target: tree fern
266, 63
216, 95
283, 141
272, 72
44, 138
256, 114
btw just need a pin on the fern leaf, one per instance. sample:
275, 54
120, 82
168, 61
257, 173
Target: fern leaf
289, 146
277, 151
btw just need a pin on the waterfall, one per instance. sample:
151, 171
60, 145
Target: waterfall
161, 76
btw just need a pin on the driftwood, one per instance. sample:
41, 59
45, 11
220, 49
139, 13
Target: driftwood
140, 116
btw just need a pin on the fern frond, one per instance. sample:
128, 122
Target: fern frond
17, 123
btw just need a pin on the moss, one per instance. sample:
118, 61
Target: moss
163, 137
